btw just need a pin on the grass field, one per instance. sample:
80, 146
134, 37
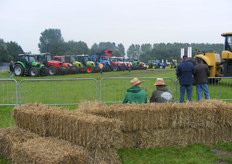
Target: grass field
190, 154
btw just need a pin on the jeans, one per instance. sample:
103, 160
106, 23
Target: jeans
11, 75
203, 87
184, 87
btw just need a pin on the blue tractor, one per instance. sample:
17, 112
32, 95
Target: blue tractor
105, 61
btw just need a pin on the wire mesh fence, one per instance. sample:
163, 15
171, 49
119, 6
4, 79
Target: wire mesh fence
108, 90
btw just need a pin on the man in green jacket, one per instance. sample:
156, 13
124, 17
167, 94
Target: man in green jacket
135, 94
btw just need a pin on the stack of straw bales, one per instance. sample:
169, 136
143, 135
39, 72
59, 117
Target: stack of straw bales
169, 124
94, 132
100, 137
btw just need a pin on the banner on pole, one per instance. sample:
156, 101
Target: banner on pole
189, 52
181, 53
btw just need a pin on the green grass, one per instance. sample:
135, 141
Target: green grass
192, 154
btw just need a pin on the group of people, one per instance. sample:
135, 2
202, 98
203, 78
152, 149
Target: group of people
136, 94
187, 74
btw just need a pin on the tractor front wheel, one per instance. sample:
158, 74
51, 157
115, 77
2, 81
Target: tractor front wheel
44, 71
89, 70
18, 70
34, 72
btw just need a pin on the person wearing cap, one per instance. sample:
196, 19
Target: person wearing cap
135, 94
185, 74
162, 93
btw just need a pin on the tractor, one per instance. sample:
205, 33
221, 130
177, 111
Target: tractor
27, 65
70, 68
104, 58
54, 67
136, 64
219, 65
84, 63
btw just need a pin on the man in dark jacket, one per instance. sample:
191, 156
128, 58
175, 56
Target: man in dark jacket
135, 94
201, 75
162, 93
184, 73
11, 68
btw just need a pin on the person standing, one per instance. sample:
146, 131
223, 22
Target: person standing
201, 75
129, 67
11, 69
135, 94
162, 93
185, 73
101, 67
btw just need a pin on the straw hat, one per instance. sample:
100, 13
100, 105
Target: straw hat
135, 82
160, 81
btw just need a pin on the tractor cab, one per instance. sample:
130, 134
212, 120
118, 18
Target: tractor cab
227, 55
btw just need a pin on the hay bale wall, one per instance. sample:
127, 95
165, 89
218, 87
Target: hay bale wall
169, 124
10, 137
79, 128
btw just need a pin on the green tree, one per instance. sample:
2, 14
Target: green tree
50, 40
77, 48
134, 51
4, 54
121, 49
14, 49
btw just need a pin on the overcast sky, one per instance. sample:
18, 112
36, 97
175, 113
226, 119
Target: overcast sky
120, 21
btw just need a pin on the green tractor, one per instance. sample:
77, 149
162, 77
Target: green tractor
82, 62
27, 65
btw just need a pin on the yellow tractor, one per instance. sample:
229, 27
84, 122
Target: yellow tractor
219, 65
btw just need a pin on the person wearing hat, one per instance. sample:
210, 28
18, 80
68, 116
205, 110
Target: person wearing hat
185, 73
135, 94
162, 93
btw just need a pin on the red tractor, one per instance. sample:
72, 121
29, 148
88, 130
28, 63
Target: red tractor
70, 68
54, 67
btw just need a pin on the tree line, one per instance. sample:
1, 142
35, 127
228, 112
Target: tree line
51, 41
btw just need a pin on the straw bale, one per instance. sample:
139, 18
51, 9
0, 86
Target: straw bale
86, 106
165, 137
85, 129
10, 137
104, 156
33, 117
162, 115
49, 150
130, 139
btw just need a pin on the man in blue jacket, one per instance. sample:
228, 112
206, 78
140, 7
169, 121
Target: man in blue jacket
185, 75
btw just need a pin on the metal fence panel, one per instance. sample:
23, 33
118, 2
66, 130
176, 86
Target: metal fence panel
57, 91
113, 90
8, 90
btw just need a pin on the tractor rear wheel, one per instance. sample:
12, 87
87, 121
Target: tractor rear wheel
34, 71
18, 70
115, 68
44, 71
52, 70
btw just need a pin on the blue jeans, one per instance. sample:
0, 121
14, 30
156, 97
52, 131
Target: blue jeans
203, 87
11, 75
184, 87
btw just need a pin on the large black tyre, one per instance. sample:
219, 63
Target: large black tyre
44, 71
52, 70
34, 71
64, 70
73, 69
105, 68
115, 68
18, 70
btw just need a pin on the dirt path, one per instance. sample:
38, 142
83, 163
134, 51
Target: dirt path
222, 153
